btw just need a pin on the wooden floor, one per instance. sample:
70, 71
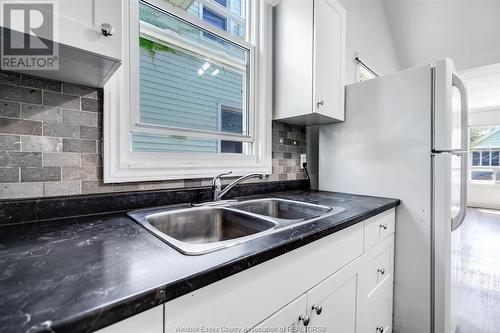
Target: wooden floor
479, 311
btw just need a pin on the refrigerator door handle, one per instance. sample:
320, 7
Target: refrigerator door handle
464, 110
458, 220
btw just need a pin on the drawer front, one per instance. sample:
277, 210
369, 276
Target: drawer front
376, 273
378, 319
379, 227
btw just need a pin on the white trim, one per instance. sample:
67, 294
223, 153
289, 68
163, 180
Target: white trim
121, 98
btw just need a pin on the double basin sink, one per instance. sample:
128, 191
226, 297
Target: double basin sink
203, 229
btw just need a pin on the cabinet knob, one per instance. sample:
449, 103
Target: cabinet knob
320, 103
304, 320
317, 308
381, 271
379, 329
107, 30
383, 226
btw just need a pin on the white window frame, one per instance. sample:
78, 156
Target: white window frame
121, 109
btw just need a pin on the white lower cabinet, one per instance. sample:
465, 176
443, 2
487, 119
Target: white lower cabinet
287, 319
338, 284
332, 304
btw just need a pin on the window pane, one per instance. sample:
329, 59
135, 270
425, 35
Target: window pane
214, 19
485, 158
145, 142
476, 158
186, 88
482, 175
233, 12
495, 161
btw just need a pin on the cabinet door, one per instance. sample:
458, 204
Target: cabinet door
150, 321
332, 304
286, 319
80, 22
329, 54
378, 319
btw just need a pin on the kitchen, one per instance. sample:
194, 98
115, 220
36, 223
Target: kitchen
232, 165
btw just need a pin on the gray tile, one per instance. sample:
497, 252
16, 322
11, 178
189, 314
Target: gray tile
9, 78
20, 159
61, 188
20, 94
40, 112
9, 175
81, 173
37, 82
61, 100
17, 126
10, 142
192, 182
80, 117
87, 132
20, 190
125, 187
83, 91
41, 143
61, 159
95, 186
91, 160
79, 146
45, 174
159, 185
61, 130
89, 104
10, 109
51, 189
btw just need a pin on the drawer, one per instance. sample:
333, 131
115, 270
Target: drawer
378, 319
376, 273
379, 227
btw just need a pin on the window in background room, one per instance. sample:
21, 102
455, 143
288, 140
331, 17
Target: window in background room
485, 153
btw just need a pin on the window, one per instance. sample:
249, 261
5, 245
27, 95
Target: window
195, 92
363, 71
485, 154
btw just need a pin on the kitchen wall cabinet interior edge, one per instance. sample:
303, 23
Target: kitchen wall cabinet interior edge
86, 54
309, 57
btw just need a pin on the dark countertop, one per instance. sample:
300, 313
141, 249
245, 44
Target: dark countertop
81, 274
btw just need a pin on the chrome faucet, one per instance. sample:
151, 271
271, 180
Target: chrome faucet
217, 186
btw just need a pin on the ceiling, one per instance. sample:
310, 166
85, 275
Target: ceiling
467, 31
483, 87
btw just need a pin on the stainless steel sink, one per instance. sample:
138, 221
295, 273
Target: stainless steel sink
203, 229
283, 209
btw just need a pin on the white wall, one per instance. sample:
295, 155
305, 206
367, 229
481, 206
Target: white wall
367, 36
429, 30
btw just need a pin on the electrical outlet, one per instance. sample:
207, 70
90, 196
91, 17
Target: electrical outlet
303, 161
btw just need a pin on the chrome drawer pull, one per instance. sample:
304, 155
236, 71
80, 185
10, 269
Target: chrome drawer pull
380, 329
383, 226
317, 308
304, 319
381, 271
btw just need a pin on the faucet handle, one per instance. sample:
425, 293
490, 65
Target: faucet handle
216, 180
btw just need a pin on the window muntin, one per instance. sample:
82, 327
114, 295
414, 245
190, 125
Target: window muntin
184, 79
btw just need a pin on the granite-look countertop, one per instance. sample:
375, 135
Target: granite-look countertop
82, 274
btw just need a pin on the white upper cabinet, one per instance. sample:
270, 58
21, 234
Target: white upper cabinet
83, 52
80, 25
309, 57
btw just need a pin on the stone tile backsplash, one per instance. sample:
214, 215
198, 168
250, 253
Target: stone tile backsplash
50, 142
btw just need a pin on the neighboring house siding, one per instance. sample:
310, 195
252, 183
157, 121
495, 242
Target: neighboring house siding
172, 93
490, 141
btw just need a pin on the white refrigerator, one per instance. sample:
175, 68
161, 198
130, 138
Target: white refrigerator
405, 136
